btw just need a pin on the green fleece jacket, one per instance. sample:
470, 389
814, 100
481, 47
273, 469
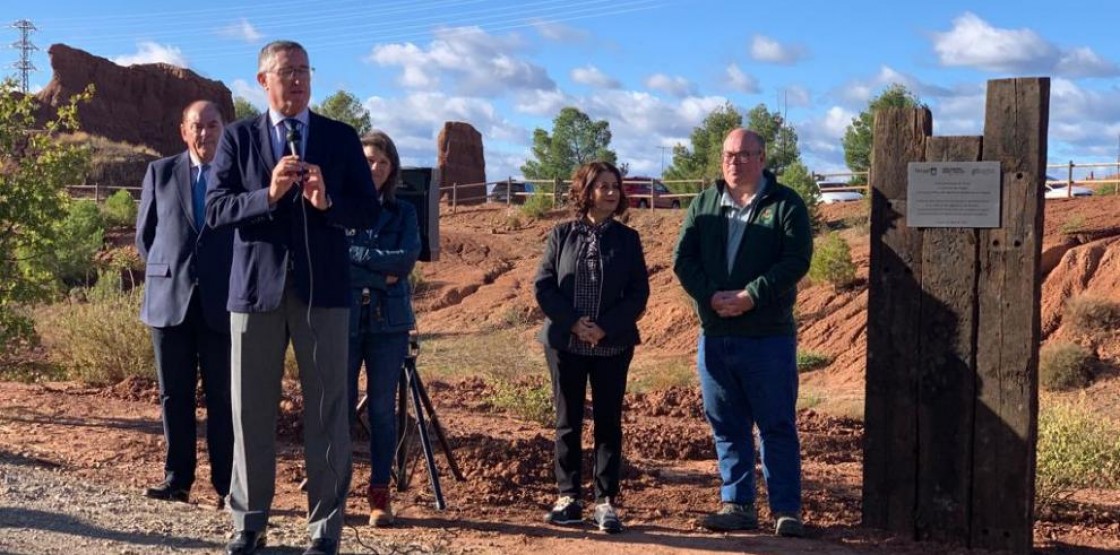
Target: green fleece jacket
773, 256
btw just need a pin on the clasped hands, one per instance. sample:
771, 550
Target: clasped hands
587, 331
729, 304
291, 170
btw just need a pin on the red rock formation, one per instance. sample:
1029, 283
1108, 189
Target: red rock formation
140, 104
461, 162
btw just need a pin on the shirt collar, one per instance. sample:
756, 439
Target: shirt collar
275, 117
725, 198
195, 161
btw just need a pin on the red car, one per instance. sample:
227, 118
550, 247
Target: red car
645, 190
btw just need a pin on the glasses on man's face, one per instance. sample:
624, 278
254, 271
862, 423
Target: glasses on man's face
290, 73
741, 157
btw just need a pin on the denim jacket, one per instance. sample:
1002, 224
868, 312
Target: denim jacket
389, 248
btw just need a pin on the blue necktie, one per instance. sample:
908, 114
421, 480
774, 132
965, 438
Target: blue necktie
199, 194
292, 124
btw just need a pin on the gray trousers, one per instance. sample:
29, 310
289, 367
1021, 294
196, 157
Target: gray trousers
259, 342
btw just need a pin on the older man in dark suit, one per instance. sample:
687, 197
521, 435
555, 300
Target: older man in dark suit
290, 182
184, 303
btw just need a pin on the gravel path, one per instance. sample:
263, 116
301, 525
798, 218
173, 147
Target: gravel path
44, 511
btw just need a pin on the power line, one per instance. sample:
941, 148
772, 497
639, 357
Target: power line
24, 65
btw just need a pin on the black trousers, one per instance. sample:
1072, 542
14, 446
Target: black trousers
570, 374
183, 352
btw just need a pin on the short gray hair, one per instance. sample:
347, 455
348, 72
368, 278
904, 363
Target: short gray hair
264, 60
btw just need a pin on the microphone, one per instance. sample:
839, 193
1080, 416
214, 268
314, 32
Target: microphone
294, 139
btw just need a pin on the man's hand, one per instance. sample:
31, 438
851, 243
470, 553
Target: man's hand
314, 188
730, 304
284, 175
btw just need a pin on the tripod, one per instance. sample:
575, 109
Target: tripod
411, 387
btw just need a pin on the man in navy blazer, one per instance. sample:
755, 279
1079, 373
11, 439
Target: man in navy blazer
185, 294
290, 182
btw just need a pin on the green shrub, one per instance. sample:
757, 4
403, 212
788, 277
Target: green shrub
1088, 314
527, 399
101, 341
81, 235
1064, 366
798, 178
1107, 189
1074, 225
1076, 449
538, 205
120, 209
832, 262
811, 360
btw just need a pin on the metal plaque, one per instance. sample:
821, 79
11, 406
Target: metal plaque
953, 194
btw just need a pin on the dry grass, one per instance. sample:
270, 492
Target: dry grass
1064, 366
1089, 315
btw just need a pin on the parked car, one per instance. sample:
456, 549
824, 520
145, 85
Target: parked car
837, 191
640, 192
1060, 190
518, 190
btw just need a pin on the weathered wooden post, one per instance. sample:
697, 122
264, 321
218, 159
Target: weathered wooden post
954, 324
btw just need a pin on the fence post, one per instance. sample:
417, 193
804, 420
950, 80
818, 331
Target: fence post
97, 193
652, 195
556, 192
509, 191
1069, 181
454, 196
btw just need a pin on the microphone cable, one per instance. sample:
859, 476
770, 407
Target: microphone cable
294, 139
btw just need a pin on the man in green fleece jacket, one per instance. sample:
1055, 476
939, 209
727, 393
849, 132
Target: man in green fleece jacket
744, 245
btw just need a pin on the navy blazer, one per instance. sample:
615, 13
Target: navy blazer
180, 258
268, 239
624, 293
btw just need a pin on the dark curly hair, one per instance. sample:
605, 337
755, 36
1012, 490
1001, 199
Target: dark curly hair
582, 187
380, 141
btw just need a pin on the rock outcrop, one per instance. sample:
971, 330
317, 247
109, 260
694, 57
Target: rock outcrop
140, 104
461, 161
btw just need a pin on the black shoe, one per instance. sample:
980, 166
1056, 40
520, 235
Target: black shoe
565, 512
322, 546
168, 492
245, 542
221, 504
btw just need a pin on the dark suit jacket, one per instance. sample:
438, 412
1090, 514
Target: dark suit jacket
625, 288
268, 239
181, 260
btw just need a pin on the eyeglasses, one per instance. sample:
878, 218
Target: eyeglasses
741, 157
290, 73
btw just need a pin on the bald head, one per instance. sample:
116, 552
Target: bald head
744, 157
201, 127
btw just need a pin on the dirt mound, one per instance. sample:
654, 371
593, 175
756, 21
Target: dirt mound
503, 471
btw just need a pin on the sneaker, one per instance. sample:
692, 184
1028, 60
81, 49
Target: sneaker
731, 516
565, 511
788, 525
606, 518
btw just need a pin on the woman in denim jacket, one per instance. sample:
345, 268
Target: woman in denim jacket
381, 259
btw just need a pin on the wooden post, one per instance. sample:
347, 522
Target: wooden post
1010, 322
509, 191
1069, 181
652, 195
556, 182
893, 329
454, 196
952, 335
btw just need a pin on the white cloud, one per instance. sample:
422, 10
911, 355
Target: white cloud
242, 30
475, 62
766, 49
973, 42
860, 91
541, 103
594, 77
741, 82
796, 96
677, 86
150, 52
251, 92
559, 32
414, 123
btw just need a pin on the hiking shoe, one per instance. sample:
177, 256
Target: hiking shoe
788, 525
566, 511
731, 516
606, 518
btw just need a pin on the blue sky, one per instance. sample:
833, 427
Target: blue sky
652, 68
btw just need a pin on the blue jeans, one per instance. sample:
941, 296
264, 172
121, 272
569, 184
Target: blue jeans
749, 381
383, 354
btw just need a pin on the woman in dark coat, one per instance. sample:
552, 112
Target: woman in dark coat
592, 286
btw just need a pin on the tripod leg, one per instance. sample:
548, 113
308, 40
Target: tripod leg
439, 430
402, 431
425, 442
359, 409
